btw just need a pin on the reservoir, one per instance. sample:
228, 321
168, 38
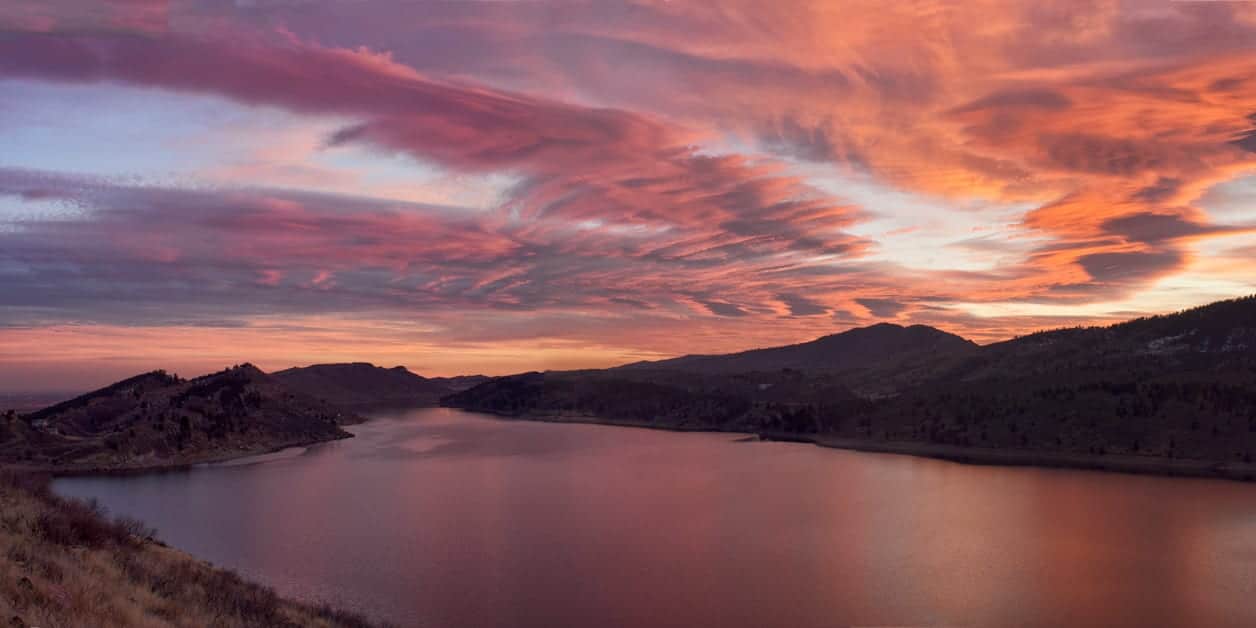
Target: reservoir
443, 518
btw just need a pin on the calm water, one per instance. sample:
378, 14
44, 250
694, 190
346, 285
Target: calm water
443, 518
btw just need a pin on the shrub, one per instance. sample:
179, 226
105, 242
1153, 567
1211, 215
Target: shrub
341, 617
134, 528
76, 522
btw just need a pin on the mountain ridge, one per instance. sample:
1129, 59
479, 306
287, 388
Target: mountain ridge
362, 385
1175, 393
842, 350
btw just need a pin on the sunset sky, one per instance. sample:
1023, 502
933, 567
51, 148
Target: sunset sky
493, 187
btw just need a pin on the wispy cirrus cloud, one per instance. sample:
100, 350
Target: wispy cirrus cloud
670, 170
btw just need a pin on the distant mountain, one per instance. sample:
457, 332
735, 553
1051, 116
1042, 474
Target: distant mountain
1174, 390
733, 391
459, 383
636, 398
156, 419
857, 348
364, 386
27, 402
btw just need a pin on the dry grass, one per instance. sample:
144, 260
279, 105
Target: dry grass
63, 563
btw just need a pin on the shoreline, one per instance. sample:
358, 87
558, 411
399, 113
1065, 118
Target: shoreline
1109, 463
361, 415
165, 466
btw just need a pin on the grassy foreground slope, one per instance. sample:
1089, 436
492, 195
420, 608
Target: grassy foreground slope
63, 564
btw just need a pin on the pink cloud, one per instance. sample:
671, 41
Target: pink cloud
1107, 124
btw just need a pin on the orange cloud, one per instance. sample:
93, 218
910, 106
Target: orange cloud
656, 150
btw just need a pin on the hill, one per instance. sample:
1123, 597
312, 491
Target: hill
459, 383
362, 386
884, 343
1173, 388
156, 419
739, 391
656, 398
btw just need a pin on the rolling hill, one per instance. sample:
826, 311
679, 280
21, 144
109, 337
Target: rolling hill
156, 420
880, 344
363, 386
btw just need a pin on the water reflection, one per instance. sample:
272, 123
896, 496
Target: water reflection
441, 518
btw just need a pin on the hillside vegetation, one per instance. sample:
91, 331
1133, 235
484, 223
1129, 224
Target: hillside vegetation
64, 564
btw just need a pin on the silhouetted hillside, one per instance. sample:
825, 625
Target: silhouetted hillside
884, 343
363, 386
156, 419
459, 383
1178, 386
1175, 387
671, 399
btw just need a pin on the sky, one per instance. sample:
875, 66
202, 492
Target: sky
502, 186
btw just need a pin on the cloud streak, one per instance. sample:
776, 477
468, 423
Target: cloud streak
674, 167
